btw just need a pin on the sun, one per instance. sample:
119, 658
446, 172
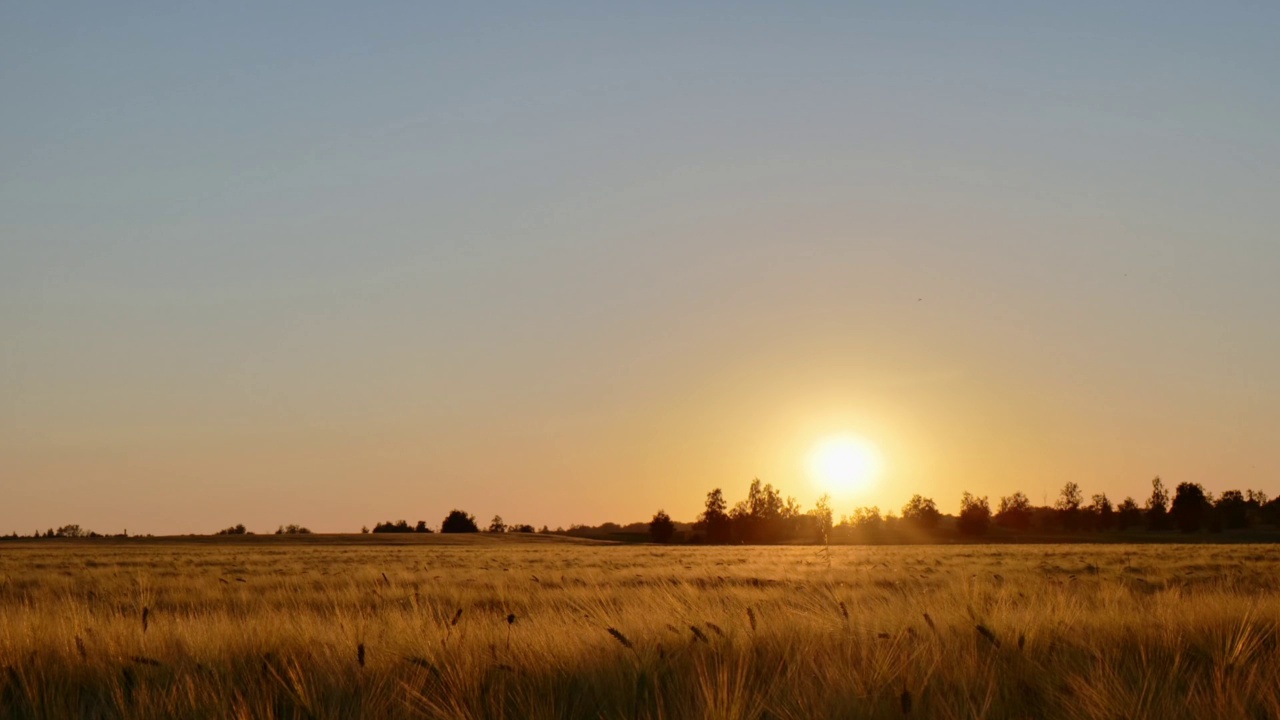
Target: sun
845, 464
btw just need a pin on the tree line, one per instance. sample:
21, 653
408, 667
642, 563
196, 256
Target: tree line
457, 521
765, 517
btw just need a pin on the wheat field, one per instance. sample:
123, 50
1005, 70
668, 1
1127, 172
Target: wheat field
538, 628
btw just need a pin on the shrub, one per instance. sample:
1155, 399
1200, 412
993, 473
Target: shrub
292, 529
399, 526
458, 521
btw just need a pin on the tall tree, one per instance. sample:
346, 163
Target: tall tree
765, 502
714, 521
1158, 506
759, 518
1068, 506
822, 517
1101, 513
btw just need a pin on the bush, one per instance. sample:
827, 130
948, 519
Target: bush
400, 526
292, 529
458, 521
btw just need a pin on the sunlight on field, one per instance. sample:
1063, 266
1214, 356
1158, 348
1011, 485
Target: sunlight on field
557, 630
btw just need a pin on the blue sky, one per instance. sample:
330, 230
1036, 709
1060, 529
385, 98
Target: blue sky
320, 263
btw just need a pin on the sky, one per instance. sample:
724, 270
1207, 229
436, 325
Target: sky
334, 263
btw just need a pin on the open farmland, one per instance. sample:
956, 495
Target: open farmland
509, 628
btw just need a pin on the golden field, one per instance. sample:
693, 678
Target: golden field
538, 627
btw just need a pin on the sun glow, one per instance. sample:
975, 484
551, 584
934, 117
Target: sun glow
845, 464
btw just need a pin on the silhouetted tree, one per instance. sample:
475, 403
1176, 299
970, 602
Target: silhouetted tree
1014, 512
421, 527
975, 515
791, 521
1068, 506
292, 529
1190, 507
661, 528
869, 518
764, 501
1256, 500
714, 522
1232, 510
1269, 512
1158, 506
865, 522
1128, 514
1101, 513
399, 526
520, 529
233, 530
921, 512
458, 521
496, 525
759, 517
822, 517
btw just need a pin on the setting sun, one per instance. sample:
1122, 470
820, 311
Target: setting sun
845, 464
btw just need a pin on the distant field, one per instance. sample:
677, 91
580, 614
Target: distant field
484, 627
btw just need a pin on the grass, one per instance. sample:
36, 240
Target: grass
504, 628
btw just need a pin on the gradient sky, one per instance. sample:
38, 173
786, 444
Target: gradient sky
332, 264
